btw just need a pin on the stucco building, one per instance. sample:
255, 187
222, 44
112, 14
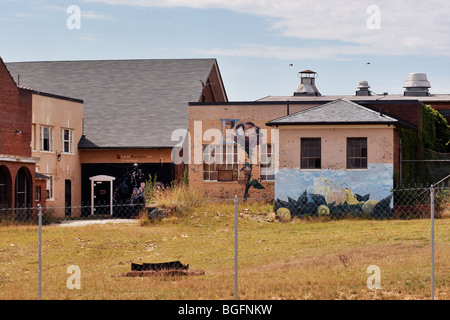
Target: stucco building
308, 142
135, 112
56, 128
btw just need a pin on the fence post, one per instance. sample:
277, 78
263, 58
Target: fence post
40, 249
432, 240
235, 248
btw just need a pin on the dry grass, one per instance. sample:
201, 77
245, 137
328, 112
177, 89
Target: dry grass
295, 260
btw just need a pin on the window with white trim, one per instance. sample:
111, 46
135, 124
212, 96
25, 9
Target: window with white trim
46, 137
49, 187
67, 145
33, 137
267, 163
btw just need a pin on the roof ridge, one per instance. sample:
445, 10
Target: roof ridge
286, 118
308, 109
111, 60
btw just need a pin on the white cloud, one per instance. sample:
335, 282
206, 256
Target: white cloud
406, 27
89, 37
94, 16
84, 13
280, 52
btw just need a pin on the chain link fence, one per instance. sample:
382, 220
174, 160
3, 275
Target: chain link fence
231, 249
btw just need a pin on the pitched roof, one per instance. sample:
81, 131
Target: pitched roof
127, 103
339, 111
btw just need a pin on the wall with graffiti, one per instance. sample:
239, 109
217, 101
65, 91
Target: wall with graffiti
336, 193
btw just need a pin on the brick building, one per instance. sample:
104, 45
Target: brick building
38, 150
17, 166
326, 124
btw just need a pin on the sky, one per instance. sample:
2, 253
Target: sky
260, 45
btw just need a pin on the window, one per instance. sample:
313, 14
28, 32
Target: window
356, 153
38, 193
310, 153
33, 137
46, 139
220, 163
49, 188
67, 141
267, 165
22, 188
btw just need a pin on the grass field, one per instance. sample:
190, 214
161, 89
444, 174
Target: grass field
300, 259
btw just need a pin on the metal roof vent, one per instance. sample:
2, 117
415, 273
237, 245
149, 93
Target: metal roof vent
363, 89
307, 85
416, 84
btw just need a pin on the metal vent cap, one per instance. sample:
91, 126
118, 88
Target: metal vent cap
417, 80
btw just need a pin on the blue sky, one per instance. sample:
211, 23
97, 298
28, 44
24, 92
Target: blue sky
254, 41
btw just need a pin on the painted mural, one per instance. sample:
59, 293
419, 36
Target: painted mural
248, 136
336, 193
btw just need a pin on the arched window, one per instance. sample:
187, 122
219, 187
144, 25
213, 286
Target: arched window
22, 189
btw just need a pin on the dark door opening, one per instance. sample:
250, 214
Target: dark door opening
3, 188
124, 173
102, 197
22, 190
68, 198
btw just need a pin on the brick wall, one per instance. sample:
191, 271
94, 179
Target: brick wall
15, 133
410, 111
15, 116
443, 107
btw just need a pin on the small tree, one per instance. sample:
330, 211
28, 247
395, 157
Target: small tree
149, 192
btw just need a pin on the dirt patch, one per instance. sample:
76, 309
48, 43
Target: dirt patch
80, 223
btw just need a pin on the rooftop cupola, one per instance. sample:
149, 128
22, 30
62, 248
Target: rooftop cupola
307, 85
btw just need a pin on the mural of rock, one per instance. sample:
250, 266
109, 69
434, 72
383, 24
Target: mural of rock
336, 193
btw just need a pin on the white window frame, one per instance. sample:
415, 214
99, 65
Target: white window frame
33, 137
69, 141
50, 187
267, 165
50, 138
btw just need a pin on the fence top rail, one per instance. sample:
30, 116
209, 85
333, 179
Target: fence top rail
442, 180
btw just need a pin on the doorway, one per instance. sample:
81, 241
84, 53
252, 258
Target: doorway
102, 196
68, 198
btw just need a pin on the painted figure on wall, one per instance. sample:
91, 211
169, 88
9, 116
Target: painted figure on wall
248, 136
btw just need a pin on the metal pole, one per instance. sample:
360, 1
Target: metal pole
432, 240
400, 163
40, 250
235, 248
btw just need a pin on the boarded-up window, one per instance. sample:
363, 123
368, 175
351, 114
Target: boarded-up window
220, 163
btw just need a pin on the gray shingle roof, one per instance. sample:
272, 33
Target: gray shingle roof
339, 111
127, 103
